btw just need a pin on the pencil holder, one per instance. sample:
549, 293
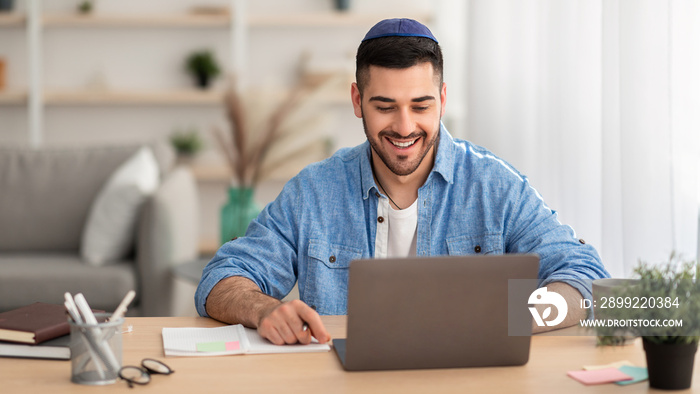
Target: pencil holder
96, 351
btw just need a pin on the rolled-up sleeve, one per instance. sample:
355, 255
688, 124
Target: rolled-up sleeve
267, 254
534, 228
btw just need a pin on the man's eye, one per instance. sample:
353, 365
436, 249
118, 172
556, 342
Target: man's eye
420, 109
385, 109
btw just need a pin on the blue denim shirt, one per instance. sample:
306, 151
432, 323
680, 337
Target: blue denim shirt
325, 217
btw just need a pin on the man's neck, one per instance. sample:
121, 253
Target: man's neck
403, 189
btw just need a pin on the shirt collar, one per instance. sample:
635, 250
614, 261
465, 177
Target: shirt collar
444, 162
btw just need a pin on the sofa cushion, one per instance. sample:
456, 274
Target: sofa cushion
47, 193
45, 278
109, 233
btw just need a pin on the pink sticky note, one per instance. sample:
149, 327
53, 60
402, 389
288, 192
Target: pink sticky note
599, 376
233, 345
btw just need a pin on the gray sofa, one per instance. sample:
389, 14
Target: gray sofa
45, 198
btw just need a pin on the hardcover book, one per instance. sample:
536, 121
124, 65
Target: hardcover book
54, 349
34, 324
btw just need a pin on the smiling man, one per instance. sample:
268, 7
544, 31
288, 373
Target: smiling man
410, 190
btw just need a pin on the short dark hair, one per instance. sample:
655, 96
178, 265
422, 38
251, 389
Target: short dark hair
396, 52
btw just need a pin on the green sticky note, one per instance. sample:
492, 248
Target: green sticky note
219, 346
638, 374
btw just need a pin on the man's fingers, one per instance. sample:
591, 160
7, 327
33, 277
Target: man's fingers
267, 330
315, 324
286, 322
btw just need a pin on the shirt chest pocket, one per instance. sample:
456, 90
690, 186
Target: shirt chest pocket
326, 285
480, 244
333, 256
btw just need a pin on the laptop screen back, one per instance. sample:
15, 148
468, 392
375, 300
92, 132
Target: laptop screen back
437, 312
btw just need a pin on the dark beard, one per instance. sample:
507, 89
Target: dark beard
394, 166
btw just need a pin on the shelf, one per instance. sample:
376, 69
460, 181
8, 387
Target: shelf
165, 97
12, 20
187, 20
211, 172
13, 97
327, 19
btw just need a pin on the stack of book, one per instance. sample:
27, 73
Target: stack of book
38, 330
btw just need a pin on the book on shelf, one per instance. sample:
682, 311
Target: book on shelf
226, 340
53, 349
34, 324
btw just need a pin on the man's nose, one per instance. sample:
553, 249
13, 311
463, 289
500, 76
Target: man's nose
405, 124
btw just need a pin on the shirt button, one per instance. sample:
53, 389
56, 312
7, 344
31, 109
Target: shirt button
380, 219
477, 249
331, 259
582, 241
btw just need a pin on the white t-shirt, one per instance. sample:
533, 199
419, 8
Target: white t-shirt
396, 233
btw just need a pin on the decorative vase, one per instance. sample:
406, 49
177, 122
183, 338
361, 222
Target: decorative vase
237, 213
670, 366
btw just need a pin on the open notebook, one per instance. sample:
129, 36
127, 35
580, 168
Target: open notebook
226, 340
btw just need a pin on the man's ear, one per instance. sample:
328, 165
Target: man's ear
356, 99
443, 99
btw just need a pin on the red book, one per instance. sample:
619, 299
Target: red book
34, 323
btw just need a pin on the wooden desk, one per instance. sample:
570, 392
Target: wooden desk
551, 357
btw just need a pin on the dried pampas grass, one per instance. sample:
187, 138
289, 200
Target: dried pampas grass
264, 140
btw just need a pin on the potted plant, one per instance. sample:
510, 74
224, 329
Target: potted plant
85, 7
6, 5
186, 143
203, 67
662, 307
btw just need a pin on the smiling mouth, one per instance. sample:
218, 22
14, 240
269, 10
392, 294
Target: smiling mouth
402, 144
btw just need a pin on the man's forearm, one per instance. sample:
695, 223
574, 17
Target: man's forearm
237, 300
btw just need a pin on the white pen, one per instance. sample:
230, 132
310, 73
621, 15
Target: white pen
84, 309
121, 309
73, 312
72, 308
94, 334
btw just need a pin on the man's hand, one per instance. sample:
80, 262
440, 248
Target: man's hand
237, 300
284, 324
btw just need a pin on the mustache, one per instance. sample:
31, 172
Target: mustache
397, 136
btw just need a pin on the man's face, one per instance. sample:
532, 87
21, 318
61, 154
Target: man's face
401, 111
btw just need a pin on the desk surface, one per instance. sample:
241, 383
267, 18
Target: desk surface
550, 358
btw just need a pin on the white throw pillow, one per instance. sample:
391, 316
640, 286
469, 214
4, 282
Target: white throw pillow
109, 232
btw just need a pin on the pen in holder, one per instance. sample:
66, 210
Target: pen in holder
96, 350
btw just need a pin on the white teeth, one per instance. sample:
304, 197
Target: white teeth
403, 144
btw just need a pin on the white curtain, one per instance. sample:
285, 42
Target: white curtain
598, 103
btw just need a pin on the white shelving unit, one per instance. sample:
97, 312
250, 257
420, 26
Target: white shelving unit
38, 23
240, 29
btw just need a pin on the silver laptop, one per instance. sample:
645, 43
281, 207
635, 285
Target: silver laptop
435, 312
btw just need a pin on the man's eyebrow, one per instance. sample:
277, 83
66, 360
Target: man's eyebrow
390, 100
382, 99
421, 99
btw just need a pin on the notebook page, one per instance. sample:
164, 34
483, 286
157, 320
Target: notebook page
260, 345
191, 341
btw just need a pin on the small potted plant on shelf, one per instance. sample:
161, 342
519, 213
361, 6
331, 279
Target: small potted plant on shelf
6, 5
186, 143
85, 7
662, 307
203, 67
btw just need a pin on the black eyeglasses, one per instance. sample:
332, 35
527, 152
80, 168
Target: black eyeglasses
142, 375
